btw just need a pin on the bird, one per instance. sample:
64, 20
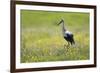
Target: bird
67, 35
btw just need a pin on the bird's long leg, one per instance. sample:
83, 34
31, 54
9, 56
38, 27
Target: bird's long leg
67, 46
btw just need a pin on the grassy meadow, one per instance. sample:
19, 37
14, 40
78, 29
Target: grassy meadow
42, 40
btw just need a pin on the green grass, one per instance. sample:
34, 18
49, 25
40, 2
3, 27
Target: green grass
42, 40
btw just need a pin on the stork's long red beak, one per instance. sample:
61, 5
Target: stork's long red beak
60, 22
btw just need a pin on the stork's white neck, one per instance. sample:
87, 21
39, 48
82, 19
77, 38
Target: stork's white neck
63, 28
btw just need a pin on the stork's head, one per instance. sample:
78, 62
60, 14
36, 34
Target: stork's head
61, 21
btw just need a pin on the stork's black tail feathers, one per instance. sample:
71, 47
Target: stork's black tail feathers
72, 41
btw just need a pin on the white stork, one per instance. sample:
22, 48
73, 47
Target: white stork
68, 36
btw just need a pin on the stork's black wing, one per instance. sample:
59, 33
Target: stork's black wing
69, 38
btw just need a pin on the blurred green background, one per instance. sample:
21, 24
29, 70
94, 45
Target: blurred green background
42, 40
